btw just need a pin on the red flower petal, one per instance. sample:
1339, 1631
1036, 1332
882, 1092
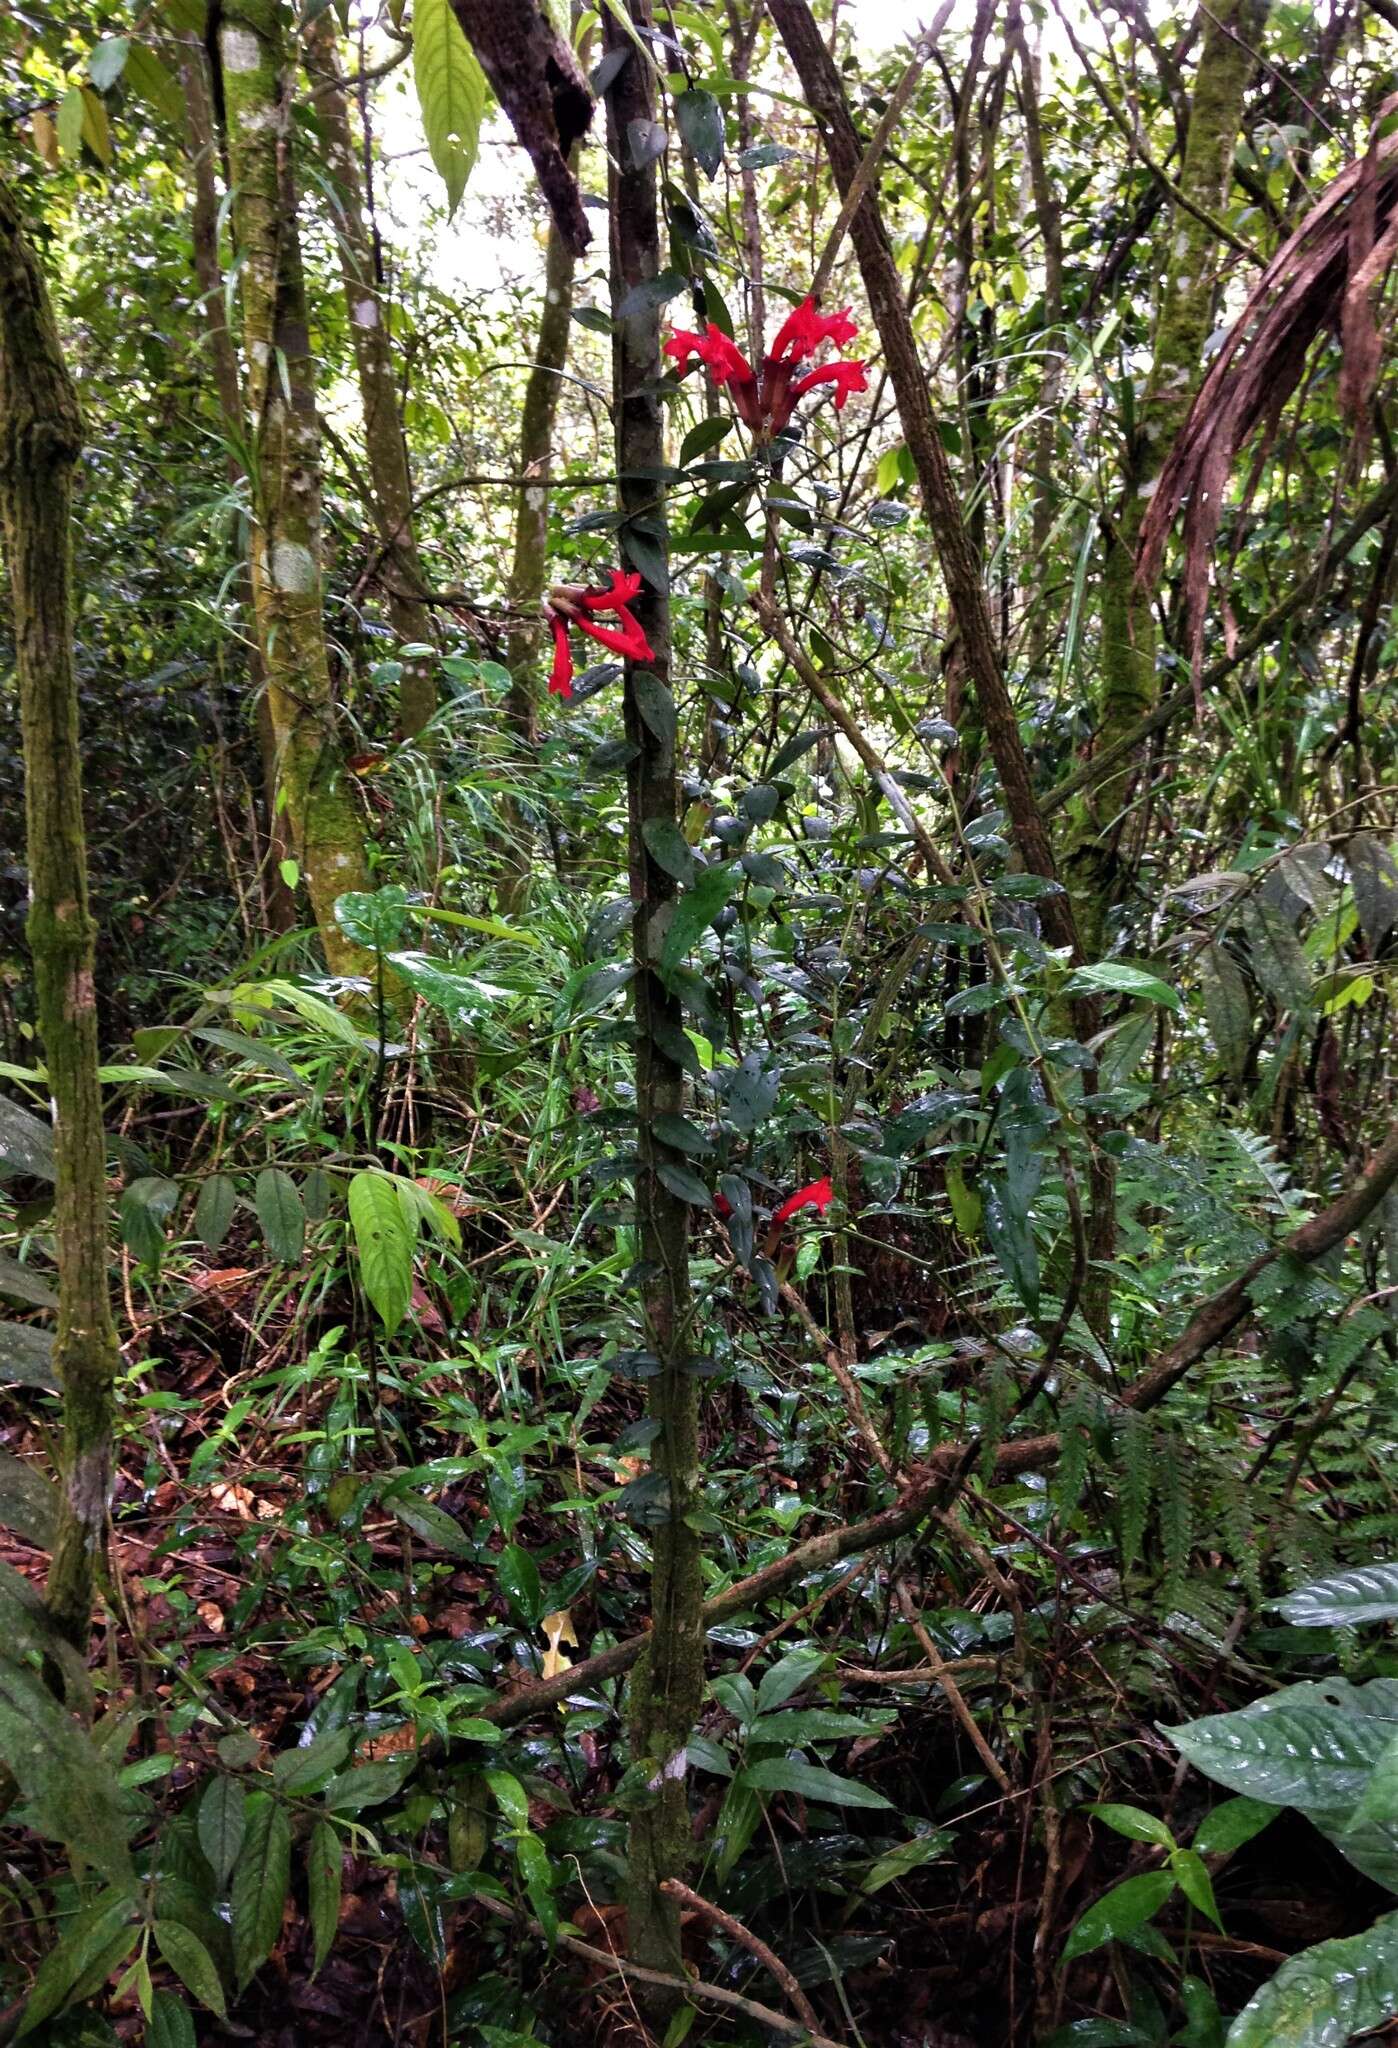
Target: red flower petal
804, 330
629, 641
845, 376
561, 674
683, 344
722, 1206
620, 592
817, 1195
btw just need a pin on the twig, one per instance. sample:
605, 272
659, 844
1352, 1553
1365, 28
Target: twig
956, 1699
873, 155
706, 1994
753, 1943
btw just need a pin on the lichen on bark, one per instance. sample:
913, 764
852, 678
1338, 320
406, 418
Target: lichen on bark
40, 441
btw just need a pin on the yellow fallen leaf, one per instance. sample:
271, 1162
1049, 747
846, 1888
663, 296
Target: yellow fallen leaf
559, 1629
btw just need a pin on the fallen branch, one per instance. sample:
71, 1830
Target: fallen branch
695, 1988
755, 1946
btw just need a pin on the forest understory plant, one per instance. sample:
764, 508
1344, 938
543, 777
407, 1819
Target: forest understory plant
730, 1374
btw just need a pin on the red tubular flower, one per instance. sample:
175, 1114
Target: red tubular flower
569, 606
767, 406
818, 1195
804, 329
561, 674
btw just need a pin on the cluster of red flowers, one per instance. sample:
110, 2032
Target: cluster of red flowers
766, 404
818, 1195
569, 605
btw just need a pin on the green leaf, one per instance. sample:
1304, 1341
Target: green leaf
1226, 1006
1367, 1593
26, 1143
1012, 1241
144, 1206
385, 1246
191, 1963
433, 1524
1120, 1911
680, 1134
656, 706
668, 848
683, 1183
160, 90
281, 1214
1310, 1746
171, 2025
260, 1884
907, 1857
510, 1796
650, 293
700, 119
28, 1501
1326, 1995
107, 61
103, 1930
312, 1763
1118, 978
213, 1212
69, 1787
451, 91
26, 1356
784, 1774
222, 1823
519, 1582
1194, 1881
1134, 1823
787, 1676
699, 440
1278, 961
25, 1283
323, 1877
368, 1785
70, 122
537, 1872
1231, 1824
373, 919
696, 911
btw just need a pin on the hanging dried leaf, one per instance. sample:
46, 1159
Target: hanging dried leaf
1329, 271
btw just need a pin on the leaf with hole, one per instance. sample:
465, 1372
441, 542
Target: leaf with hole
451, 91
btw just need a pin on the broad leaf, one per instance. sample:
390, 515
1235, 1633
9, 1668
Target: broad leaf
1367, 1593
385, 1246
26, 1356
451, 91
281, 1214
191, 1963
260, 1884
1326, 1995
808, 1781
323, 1875
1122, 1910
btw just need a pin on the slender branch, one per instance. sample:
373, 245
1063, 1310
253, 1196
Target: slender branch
753, 1943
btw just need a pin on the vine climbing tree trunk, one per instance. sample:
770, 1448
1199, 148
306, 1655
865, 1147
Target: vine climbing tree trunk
284, 439
667, 1689
529, 567
385, 445
1227, 61
40, 440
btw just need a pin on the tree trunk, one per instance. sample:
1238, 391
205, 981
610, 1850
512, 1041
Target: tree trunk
285, 439
385, 445
1129, 638
40, 439
667, 1689
820, 83
529, 569
278, 901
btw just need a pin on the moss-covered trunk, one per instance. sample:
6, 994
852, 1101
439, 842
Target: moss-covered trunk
667, 1688
40, 439
529, 568
278, 903
385, 445
284, 442
1183, 325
